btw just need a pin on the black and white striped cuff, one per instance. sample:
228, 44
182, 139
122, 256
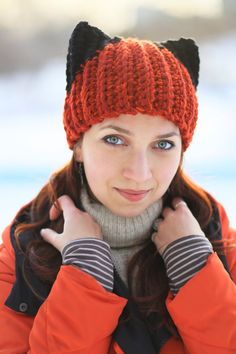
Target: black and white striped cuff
184, 257
93, 256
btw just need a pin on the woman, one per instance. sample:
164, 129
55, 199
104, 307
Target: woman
120, 252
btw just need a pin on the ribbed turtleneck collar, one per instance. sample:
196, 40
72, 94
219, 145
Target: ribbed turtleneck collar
118, 231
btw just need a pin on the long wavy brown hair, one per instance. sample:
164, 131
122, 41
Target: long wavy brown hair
149, 285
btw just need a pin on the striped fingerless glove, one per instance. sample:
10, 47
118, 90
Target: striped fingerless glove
184, 257
93, 256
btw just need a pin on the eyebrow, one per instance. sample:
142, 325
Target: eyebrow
125, 131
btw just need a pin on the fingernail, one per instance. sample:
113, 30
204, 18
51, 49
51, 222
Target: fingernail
42, 232
153, 236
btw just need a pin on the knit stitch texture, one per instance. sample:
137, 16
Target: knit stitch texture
129, 76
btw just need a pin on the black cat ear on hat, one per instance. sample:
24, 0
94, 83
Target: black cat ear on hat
86, 40
186, 51
84, 43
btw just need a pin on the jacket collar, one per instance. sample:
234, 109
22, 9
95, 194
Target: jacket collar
22, 297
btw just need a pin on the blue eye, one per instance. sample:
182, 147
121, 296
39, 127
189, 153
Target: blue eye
113, 140
165, 145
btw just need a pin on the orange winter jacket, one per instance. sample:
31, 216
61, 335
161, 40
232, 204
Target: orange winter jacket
80, 317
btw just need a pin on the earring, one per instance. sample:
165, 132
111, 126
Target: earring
81, 172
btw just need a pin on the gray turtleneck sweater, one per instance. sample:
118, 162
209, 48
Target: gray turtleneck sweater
123, 237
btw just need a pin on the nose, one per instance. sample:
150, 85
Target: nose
137, 167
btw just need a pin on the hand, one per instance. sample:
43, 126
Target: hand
176, 223
78, 224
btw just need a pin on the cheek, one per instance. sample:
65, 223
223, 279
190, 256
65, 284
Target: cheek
97, 168
166, 174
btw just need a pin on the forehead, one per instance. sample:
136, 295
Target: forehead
139, 122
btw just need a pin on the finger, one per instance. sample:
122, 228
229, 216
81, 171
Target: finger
65, 204
178, 202
166, 211
156, 223
55, 211
155, 241
51, 237
153, 236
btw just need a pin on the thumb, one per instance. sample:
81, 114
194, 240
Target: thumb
51, 237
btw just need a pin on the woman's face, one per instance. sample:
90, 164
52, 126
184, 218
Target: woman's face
130, 161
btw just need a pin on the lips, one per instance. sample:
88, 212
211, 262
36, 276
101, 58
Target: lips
132, 191
133, 195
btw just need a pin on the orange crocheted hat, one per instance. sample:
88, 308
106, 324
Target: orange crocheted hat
110, 76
